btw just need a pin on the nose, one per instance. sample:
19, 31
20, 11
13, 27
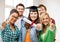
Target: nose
32, 14
14, 19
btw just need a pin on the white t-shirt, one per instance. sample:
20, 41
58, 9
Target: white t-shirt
18, 22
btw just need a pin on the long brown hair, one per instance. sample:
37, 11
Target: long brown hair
36, 21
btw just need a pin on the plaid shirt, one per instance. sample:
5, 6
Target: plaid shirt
8, 35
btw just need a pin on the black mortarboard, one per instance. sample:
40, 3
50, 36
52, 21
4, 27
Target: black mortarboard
32, 8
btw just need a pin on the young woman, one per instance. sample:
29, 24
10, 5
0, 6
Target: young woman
42, 9
48, 32
10, 31
29, 31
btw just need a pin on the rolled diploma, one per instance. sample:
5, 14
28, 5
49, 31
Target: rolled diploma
28, 21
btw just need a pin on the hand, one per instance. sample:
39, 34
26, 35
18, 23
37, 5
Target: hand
1, 27
39, 26
4, 24
52, 25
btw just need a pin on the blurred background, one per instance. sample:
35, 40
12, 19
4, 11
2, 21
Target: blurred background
53, 8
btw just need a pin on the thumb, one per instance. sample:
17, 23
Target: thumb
50, 21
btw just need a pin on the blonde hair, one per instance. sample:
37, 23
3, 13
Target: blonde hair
42, 15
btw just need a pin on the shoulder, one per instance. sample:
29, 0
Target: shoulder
6, 27
15, 26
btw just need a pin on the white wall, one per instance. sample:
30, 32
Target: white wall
53, 8
2, 10
9, 4
36, 2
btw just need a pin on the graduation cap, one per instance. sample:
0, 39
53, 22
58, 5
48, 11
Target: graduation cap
32, 8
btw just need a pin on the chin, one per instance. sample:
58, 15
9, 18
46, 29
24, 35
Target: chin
33, 19
45, 24
12, 22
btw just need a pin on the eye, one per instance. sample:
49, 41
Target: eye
22, 9
18, 8
46, 18
39, 10
43, 9
31, 13
35, 13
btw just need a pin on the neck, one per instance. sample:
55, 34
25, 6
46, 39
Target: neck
44, 29
46, 26
11, 24
20, 16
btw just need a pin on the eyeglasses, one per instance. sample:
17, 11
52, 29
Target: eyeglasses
15, 17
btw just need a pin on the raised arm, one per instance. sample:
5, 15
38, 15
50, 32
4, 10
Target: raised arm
3, 25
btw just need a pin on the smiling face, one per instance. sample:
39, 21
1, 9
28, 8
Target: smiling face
20, 9
45, 19
33, 16
13, 18
41, 10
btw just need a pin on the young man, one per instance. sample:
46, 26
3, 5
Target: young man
20, 8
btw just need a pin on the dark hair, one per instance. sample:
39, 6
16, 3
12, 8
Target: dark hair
41, 5
36, 21
14, 11
20, 4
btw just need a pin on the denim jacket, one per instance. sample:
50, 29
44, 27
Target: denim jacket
22, 34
